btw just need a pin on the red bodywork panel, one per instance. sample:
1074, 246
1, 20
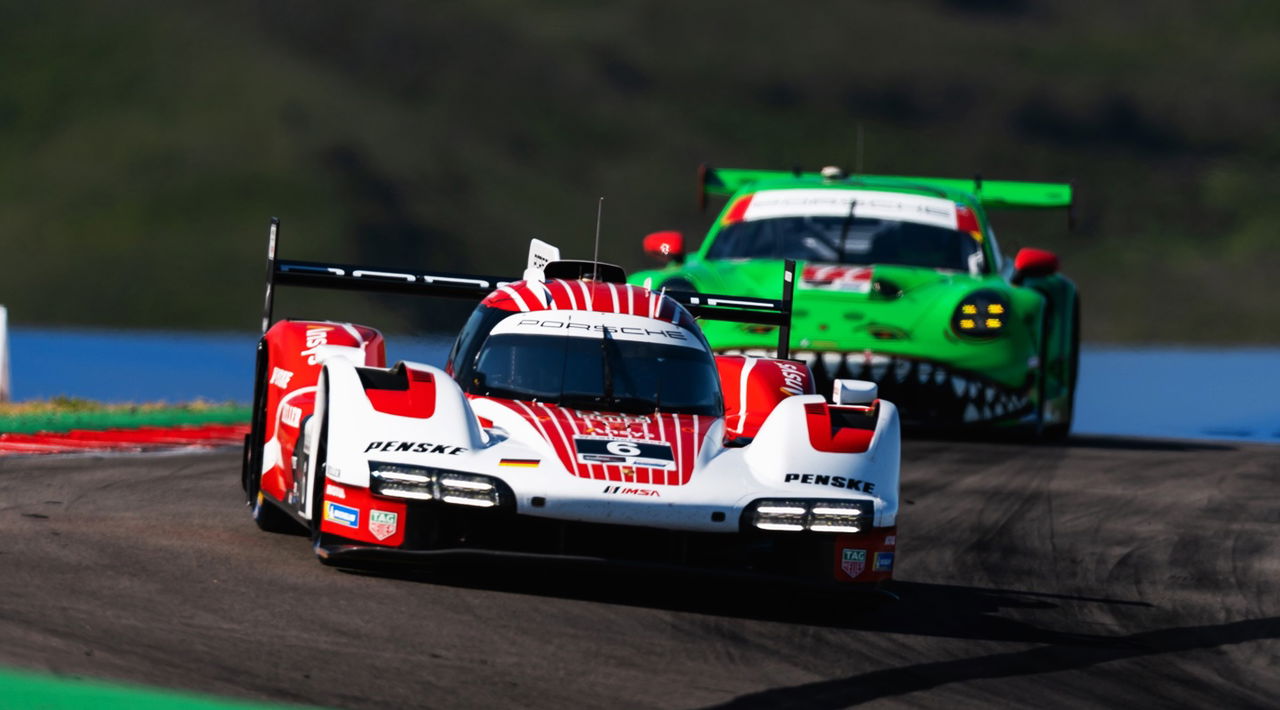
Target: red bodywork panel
418, 400
753, 386
293, 371
866, 556
581, 439
582, 295
357, 514
830, 436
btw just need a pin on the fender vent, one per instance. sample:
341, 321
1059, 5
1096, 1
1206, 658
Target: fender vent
372, 378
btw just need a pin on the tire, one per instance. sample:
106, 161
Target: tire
1060, 431
270, 518
678, 284
319, 538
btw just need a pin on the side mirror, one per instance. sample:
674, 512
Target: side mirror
1033, 263
665, 246
854, 392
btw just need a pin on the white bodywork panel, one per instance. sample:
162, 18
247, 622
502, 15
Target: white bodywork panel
725, 480
871, 204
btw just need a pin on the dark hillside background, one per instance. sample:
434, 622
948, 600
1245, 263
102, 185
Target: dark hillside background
143, 145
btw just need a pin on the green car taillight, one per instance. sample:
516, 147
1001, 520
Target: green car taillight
982, 314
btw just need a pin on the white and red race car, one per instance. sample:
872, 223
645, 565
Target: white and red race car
577, 416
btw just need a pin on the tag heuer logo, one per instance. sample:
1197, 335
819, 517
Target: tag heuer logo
853, 561
382, 523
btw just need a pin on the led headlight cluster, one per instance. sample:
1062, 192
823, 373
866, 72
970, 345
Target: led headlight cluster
828, 516
421, 483
982, 314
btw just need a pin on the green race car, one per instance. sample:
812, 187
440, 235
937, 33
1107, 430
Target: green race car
900, 282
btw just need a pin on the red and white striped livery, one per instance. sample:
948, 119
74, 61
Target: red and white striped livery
575, 415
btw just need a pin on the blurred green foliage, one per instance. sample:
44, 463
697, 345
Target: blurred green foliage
143, 145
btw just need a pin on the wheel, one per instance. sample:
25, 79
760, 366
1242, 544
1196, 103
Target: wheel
1059, 431
271, 518
318, 538
678, 284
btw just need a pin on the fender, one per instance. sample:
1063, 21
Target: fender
412, 412
754, 386
783, 454
296, 351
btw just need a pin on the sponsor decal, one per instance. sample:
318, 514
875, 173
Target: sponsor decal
416, 447
316, 337
623, 420
335, 491
382, 523
853, 561
884, 562
792, 378
890, 539
341, 514
568, 326
291, 415
622, 452
592, 324
868, 204
280, 377
627, 491
837, 278
819, 479
520, 463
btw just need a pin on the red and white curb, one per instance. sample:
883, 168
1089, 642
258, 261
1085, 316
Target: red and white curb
124, 440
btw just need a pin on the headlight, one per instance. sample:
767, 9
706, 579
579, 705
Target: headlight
825, 516
982, 314
421, 483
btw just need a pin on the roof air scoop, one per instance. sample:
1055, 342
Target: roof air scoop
572, 269
831, 173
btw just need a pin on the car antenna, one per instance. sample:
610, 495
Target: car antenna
857, 165
844, 230
595, 274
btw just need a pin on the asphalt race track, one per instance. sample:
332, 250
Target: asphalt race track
1108, 572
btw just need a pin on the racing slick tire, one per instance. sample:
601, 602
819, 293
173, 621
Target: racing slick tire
271, 518
1061, 430
318, 537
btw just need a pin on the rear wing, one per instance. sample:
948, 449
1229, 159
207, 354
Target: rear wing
346, 277
314, 274
740, 309
992, 194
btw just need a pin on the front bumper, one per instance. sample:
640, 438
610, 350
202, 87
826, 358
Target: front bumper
926, 392
435, 530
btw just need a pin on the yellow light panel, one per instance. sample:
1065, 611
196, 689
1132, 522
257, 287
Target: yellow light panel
994, 323
969, 309
995, 309
967, 324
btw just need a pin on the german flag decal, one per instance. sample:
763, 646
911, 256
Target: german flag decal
523, 463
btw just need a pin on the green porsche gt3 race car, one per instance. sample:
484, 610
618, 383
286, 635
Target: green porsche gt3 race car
901, 282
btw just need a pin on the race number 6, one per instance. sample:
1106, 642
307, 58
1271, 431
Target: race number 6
623, 448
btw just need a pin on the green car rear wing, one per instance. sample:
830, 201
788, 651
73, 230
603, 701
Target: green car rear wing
993, 194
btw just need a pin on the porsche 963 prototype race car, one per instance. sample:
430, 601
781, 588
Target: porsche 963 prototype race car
902, 283
576, 416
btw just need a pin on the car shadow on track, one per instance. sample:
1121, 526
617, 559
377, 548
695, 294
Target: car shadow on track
941, 610
1052, 658
1075, 441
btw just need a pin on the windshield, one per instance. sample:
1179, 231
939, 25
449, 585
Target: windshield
865, 241
596, 373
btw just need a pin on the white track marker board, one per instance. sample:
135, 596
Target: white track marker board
4, 354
